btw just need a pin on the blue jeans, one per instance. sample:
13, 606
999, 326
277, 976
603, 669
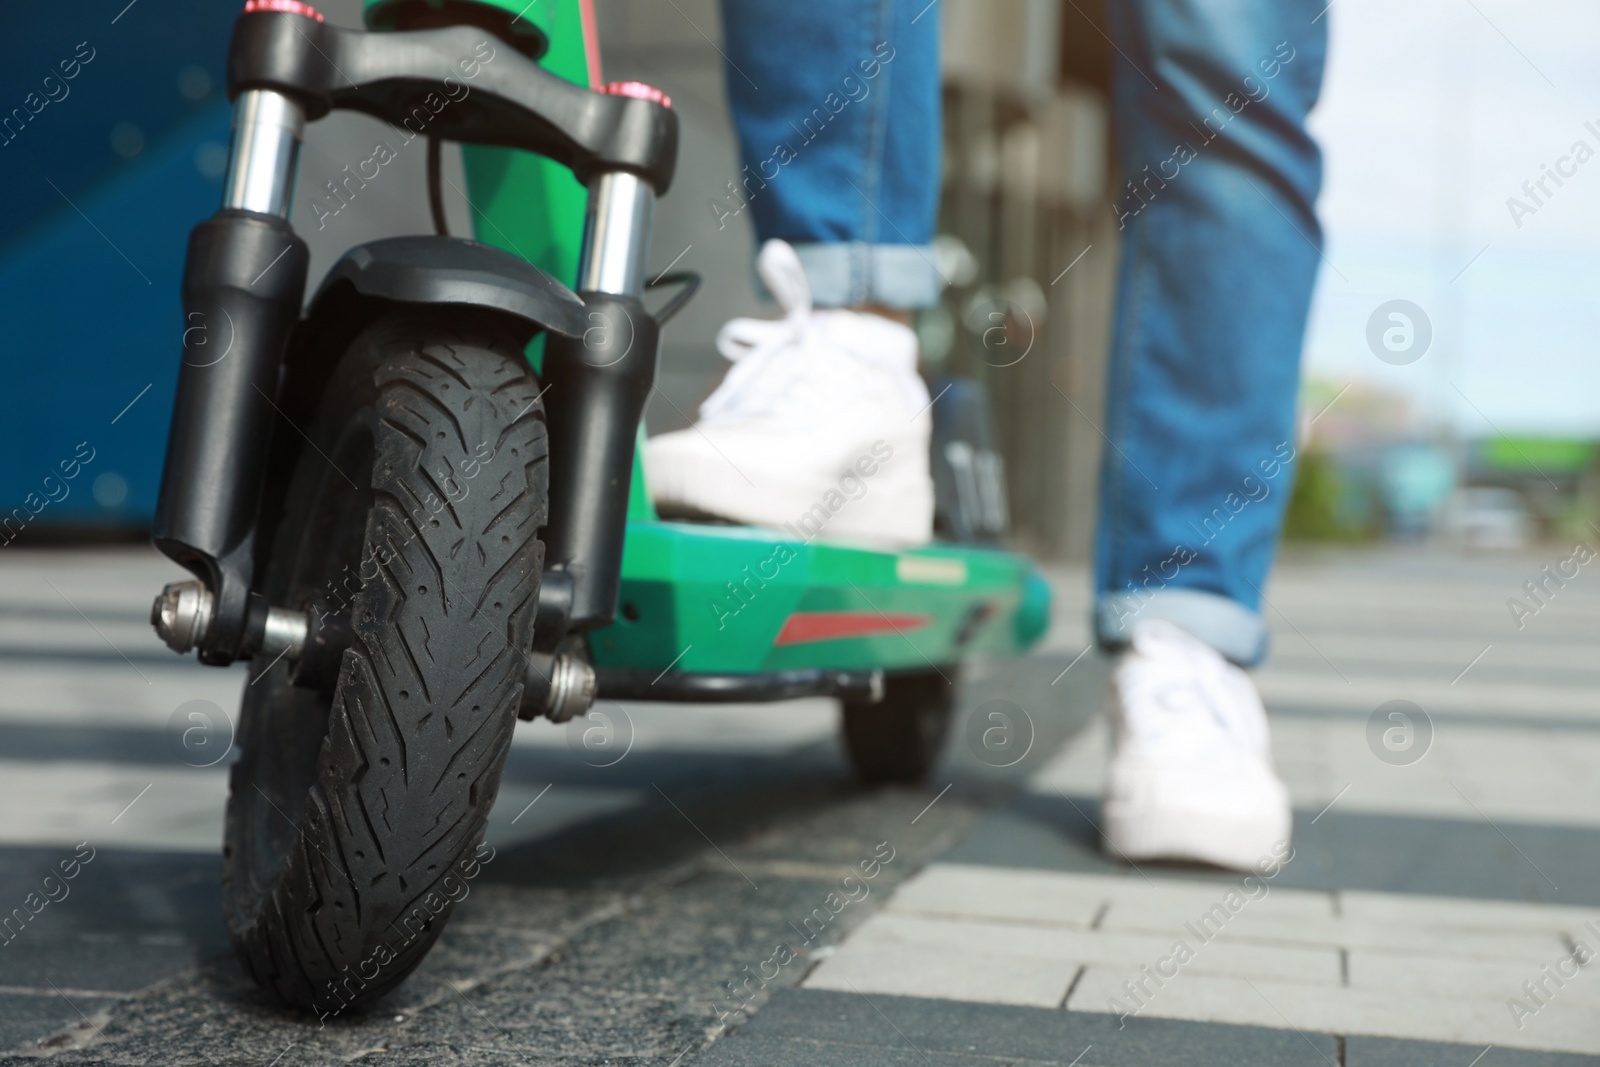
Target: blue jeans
837, 107
1220, 251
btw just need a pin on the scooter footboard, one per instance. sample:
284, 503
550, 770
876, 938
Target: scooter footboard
705, 599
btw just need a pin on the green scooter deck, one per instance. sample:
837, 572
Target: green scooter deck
736, 599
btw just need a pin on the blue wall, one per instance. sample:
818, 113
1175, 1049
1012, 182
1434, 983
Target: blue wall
100, 188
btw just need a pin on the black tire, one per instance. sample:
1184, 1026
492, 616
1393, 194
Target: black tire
413, 513
899, 738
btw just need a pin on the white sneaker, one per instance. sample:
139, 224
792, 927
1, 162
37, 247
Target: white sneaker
1192, 777
821, 427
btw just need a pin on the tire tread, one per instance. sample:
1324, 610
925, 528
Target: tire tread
421, 717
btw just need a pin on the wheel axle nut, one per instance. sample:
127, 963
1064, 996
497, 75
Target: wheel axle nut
182, 615
572, 688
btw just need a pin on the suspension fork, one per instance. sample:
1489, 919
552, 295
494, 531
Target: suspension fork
245, 279
597, 387
243, 285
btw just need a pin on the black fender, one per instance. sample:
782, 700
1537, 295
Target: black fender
370, 279
424, 270
429, 269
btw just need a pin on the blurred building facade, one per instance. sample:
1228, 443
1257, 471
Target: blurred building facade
1027, 194
93, 319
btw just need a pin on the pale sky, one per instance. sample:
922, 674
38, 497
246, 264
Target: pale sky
1433, 114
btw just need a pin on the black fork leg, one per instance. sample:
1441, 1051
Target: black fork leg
243, 284
598, 385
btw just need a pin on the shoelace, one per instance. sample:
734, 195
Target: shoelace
794, 365
797, 365
1188, 700
1179, 711
762, 376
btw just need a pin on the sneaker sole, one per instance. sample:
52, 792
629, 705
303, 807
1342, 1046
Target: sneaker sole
1171, 833
895, 510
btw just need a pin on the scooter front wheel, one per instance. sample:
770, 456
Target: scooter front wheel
358, 805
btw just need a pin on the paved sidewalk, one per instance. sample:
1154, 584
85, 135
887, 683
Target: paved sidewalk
1437, 897
1442, 898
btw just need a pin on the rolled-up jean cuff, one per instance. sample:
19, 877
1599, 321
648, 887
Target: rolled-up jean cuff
1226, 625
847, 274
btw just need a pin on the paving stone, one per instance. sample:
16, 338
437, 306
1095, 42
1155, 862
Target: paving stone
1381, 969
1471, 771
1023, 1034
1488, 943
954, 961
26, 1017
921, 971
1362, 694
110, 962
1421, 1015
942, 957
63, 803
1080, 899
1197, 910
1389, 853
1387, 1052
111, 693
797, 1052
1014, 894
1452, 913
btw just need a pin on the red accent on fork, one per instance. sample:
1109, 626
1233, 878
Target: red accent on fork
591, 42
288, 7
639, 91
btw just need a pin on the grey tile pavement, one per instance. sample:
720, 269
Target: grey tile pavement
607, 936
850, 1028
1393, 853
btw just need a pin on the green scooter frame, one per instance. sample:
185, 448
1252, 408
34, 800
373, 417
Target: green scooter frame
707, 601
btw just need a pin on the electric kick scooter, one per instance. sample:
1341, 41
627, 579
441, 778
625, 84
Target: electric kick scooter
414, 503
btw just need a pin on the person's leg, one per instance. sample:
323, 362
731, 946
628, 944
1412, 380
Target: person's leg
1221, 248
837, 108
1220, 252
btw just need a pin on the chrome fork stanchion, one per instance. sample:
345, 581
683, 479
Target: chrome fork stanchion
267, 130
616, 245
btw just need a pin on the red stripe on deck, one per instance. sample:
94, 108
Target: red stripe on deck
805, 626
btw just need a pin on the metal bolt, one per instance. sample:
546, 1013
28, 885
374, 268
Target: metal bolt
182, 614
572, 688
